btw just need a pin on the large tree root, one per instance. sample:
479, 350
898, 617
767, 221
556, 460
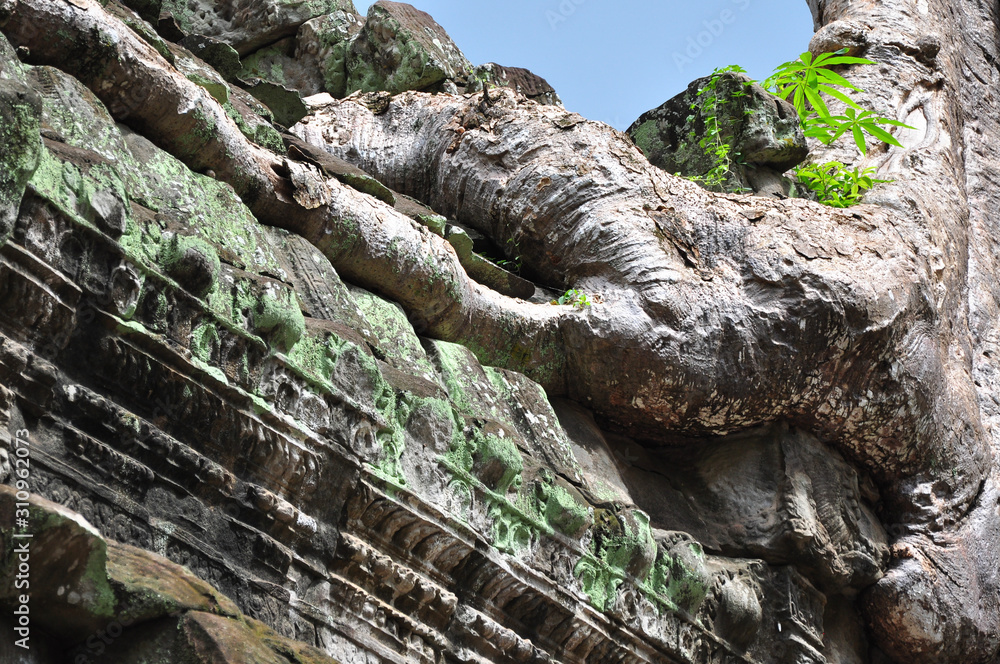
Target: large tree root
718, 312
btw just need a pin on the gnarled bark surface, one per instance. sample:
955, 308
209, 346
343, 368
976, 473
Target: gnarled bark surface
721, 313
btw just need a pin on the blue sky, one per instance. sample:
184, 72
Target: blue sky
612, 60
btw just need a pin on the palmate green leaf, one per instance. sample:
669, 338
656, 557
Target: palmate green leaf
823, 135
836, 185
799, 101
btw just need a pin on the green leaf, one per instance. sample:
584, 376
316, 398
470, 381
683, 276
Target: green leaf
834, 78
859, 138
817, 102
884, 136
847, 60
837, 94
894, 123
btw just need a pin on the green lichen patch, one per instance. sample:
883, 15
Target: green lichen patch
647, 137
366, 184
398, 343
316, 354
392, 441
269, 63
484, 459
349, 369
622, 547
279, 317
329, 38
533, 416
222, 57
181, 13
205, 342
557, 504
286, 104
257, 130
10, 66
20, 148
191, 262
70, 185
400, 49
467, 382
512, 533
496, 461
219, 90
680, 577
435, 223
210, 209
600, 581
78, 117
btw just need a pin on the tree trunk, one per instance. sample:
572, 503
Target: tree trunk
872, 328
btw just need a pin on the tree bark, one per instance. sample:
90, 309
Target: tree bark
873, 328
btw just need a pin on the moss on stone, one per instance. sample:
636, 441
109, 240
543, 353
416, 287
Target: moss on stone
622, 547
286, 104
561, 510
265, 63
261, 133
512, 533
203, 133
20, 148
191, 262
205, 342
67, 187
407, 62
396, 338
500, 452
317, 354
278, 314
366, 184
435, 223
218, 90
210, 208
647, 137
681, 579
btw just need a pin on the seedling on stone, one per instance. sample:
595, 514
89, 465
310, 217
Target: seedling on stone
574, 298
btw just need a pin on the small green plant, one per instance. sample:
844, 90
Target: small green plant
714, 143
574, 298
836, 185
803, 82
511, 264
